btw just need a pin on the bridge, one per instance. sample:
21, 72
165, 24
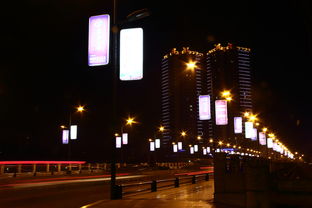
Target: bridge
238, 181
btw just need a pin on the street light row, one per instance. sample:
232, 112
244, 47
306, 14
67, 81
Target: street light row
270, 143
226, 94
250, 117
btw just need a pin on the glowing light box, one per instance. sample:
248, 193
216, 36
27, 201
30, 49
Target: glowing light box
131, 54
65, 136
118, 142
238, 125
192, 150
249, 130
73, 132
262, 138
254, 134
152, 146
204, 107
270, 143
208, 149
221, 112
157, 143
124, 138
98, 48
275, 147
175, 148
195, 148
180, 146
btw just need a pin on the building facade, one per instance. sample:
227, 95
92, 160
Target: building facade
228, 68
182, 81
185, 75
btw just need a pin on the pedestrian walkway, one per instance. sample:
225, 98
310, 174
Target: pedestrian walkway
198, 195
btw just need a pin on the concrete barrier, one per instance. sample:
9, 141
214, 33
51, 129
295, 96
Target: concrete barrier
251, 182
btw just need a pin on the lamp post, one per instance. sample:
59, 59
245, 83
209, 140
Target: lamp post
129, 122
79, 109
136, 15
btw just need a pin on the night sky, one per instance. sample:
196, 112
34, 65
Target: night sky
44, 72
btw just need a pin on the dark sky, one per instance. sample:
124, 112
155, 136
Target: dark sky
44, 72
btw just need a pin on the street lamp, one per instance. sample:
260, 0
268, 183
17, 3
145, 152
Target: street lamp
80, 108
191, 65
161, 129
130, 121
226, 94
136, 15
70, 129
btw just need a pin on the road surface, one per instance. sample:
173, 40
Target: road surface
60, 192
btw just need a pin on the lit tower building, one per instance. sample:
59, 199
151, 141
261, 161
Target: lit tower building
228, 68
182, 81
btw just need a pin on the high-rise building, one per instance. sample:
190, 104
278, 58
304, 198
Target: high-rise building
182, 81
186, 74
228, 68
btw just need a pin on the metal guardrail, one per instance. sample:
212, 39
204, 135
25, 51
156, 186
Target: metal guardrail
19, 168
156, 184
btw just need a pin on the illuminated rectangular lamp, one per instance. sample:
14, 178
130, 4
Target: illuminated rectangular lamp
238, 125
124, 138
204, 151
204, 107
175, 148
249, 130
270, 143
73, 132
195, 148
192, 150
262, 138
152, 146
65, 136
208, 149
221, 112
157, 143
118, 142
180, 146
131, 54
98, 46
254, 134
275, 146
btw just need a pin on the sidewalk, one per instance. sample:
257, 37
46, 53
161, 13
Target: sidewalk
196, 195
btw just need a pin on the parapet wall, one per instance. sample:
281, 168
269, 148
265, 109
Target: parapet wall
252, 182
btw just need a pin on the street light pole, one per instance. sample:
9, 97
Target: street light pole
139, 14
113, 189
69, 142
79, 109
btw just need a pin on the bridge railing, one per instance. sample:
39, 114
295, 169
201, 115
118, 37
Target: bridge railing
22, 168
34, 167
154, 185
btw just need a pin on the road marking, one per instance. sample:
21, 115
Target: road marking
94, 203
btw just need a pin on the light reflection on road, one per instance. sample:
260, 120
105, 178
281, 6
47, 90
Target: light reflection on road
59, 181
